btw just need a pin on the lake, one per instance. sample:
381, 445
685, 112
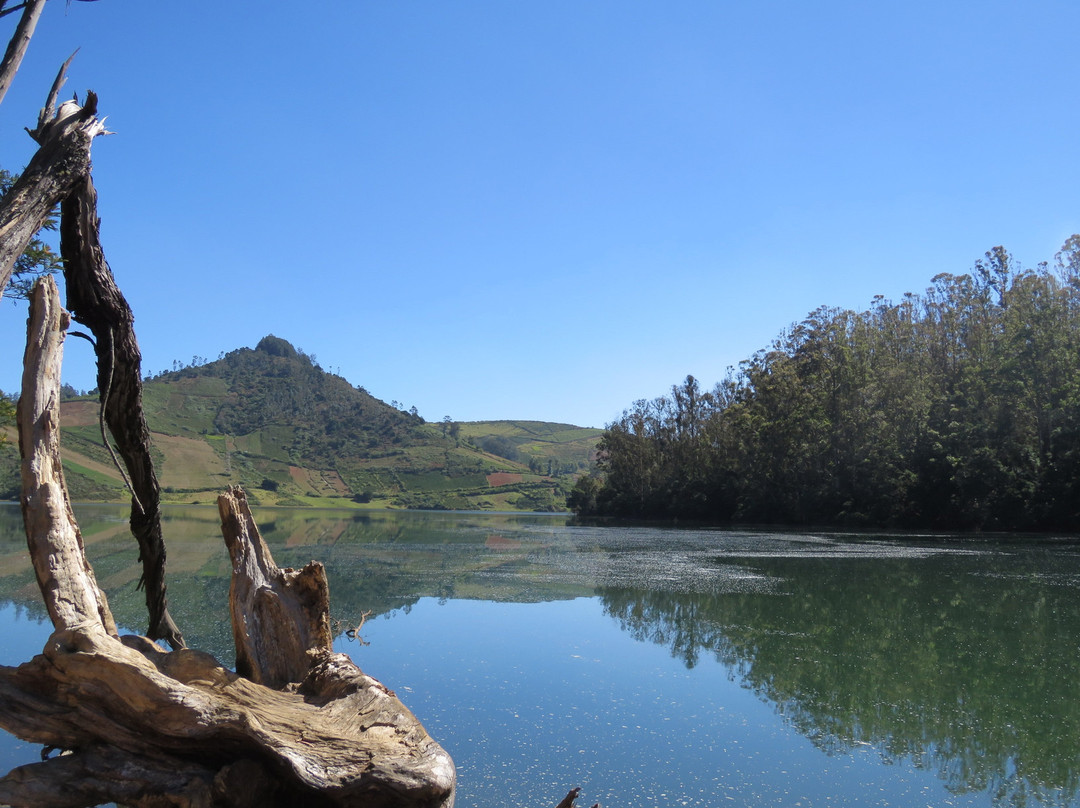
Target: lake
661, 666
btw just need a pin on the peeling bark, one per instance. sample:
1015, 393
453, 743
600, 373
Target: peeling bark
96, 302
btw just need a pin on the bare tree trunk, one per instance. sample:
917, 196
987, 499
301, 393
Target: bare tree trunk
19, 42
64, 575
96, 302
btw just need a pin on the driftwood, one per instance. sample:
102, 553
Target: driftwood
277, 615
150, 727
63, 573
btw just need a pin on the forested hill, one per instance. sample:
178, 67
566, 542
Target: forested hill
272, 420
955, 409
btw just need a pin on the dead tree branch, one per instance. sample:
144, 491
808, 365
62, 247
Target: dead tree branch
96, 302
64, 136
19, 42
60, 173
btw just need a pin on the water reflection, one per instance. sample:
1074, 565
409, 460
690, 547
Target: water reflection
958, 658
964, 664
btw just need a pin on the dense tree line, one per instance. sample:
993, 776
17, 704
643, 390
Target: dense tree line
955, 409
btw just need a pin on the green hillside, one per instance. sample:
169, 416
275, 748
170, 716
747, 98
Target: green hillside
272, 420
541, 446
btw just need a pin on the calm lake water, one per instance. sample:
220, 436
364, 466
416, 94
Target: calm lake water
662, 666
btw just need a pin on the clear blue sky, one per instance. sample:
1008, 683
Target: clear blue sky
546, 210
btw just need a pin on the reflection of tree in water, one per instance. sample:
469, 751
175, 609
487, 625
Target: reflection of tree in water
962, 664
376, 561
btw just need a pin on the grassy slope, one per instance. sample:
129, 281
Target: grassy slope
265, 421
563, 443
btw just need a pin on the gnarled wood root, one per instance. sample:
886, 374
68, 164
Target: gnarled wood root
136, 714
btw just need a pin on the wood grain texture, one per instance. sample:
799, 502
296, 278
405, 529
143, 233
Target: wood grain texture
278, 615
66, 580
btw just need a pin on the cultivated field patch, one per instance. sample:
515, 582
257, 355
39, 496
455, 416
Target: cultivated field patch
188, 462
79, 413
504, 478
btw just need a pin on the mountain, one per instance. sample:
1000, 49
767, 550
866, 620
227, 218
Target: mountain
272, 420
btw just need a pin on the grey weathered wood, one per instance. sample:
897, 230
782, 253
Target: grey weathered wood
180, 724
278, 615
339, 738
64, 575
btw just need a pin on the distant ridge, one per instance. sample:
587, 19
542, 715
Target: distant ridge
272, 420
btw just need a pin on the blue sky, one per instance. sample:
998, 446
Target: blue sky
546, 210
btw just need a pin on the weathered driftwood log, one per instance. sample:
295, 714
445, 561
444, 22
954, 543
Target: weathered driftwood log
149, 727
96, 302
278, 616
338, 739
281, 626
